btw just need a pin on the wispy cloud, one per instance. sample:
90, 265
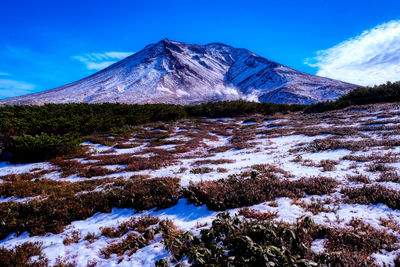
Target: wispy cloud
370, 58
99, 61
4, 74
9, 88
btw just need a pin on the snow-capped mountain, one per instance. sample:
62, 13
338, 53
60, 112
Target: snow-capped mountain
180, 73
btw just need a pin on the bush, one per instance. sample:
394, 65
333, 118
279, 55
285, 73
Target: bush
139, 225
373, 194
237, 192
52, 214
21, 255
231, 241
28, 148
384, 93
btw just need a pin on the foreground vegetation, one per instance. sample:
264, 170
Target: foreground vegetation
266, 170
255, 241
35, 133
250, 240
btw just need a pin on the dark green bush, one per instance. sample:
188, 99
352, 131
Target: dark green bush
40, 129
232, 241
384, 93
28, 148
85, 119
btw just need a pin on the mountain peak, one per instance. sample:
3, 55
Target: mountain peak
181, 73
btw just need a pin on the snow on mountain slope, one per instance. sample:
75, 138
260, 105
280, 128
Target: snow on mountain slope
180, 73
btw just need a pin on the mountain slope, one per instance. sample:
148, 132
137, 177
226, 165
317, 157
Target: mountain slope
180, 73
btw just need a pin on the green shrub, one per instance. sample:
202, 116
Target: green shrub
28, 148
384, 93
234, 242
231, 241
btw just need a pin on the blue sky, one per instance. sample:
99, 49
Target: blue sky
45, 44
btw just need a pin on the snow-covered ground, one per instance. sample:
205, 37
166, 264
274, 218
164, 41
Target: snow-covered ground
285, 142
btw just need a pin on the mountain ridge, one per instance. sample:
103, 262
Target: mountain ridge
180, 73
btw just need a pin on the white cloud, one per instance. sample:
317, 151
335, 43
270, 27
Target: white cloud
10, 88
370, 58
4, 74
99, 61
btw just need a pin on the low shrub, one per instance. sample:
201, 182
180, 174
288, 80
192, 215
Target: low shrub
212, 161
90, 237
46, 187
334, 144
235, 192
131, 243
145, 229
52, 214
328, 165
363, 239
26, 176
379, 167
373, 194
28, 148
391, 176
388, 92
231, 241
74, 237
234, 242
21, 255
138, 225
254, 214
201, 170
360, 178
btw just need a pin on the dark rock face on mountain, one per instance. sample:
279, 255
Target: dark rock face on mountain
180, 73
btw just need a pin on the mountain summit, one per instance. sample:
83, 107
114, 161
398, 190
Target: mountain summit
180, 73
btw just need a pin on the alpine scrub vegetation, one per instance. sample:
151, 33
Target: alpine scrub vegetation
233, 241
28, 148
35, 133
21, 255
136, 193
236, 192
56, 211
384, 93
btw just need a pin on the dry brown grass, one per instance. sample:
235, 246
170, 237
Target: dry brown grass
390, 223
379, 167
139, 225
56, 211
372, 194
359, 178
201, 170
328, 165
254, 214
391, 176
317, 205
73, 237
378, 158
236, 192
212, 161
21, 255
